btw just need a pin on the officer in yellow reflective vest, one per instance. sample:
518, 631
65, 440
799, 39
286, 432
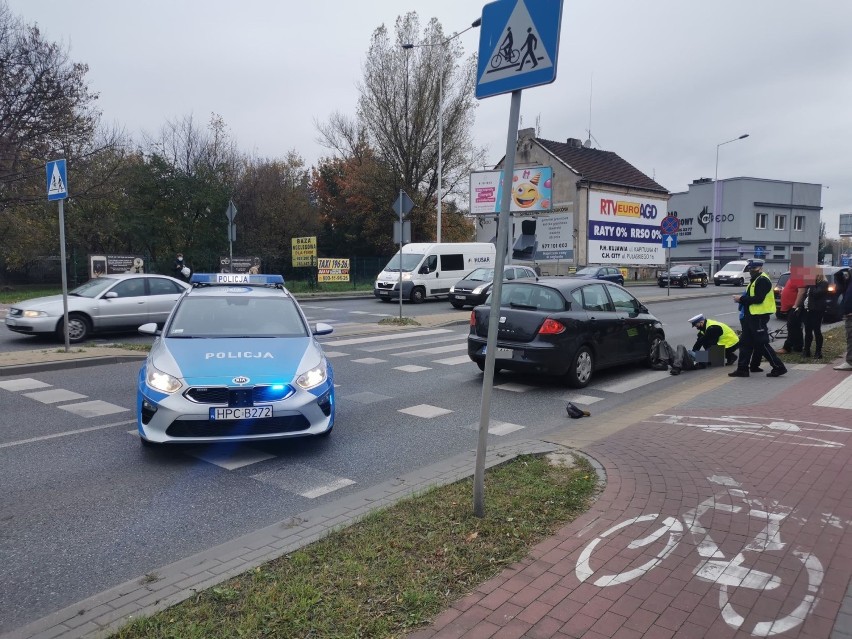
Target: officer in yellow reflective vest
711, 333
758, 303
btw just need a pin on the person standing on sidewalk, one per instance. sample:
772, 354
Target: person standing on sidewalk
847, 318
814, 312
791, 304
759, 305
711, 333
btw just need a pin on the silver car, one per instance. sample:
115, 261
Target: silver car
107, 303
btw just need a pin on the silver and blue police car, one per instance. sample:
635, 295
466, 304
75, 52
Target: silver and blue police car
236, 361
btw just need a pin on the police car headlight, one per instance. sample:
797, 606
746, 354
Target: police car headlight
34, 314
163, 382
311, 378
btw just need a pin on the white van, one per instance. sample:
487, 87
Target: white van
430, 269
732, 273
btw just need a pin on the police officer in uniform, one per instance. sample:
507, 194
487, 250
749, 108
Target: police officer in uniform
711, 333
759, 304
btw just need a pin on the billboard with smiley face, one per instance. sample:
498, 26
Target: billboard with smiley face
532, 190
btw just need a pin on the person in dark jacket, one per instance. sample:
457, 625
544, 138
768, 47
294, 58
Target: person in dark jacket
847, 319
759, 305
815, 300
180, 270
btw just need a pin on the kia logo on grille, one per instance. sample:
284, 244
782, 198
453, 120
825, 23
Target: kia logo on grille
241, 380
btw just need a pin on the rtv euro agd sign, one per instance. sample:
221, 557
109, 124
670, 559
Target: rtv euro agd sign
625, 229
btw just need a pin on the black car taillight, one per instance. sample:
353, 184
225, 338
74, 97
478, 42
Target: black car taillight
551, 327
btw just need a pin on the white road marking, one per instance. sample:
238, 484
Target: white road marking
369, 360
453, 361
437, 350
54, 395
383, 338
425, 410
501, 428
838, 397
230, 458
390, 347
95, 408
515, 388
335, 354
328, 488
580, 399
24, 383
366, 397
635, 381
411, 368
303, 480
67, 433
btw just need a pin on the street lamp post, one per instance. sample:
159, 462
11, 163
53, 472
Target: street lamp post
409, 45
715, 206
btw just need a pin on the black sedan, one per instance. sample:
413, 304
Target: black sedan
683, 275
565, 327
608, 273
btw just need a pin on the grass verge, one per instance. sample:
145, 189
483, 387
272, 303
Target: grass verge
834, 346
393, 570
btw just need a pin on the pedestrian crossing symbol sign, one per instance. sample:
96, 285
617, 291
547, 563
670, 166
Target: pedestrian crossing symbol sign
57, 184
518, 45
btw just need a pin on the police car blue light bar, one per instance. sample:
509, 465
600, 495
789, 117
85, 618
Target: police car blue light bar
236, 278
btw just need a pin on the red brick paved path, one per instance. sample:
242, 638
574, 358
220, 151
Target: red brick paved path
791, 529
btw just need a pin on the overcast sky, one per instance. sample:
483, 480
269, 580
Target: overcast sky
667, 80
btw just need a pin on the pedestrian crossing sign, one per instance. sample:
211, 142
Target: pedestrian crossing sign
518, 45
57, 184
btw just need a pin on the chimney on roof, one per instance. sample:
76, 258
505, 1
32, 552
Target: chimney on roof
574, 143
702, 181
525, 134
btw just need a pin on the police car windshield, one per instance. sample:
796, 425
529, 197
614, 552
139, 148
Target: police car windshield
237, 316
409, 262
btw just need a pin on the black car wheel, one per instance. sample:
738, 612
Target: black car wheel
704, 282
418, 294
740, 282
582, 366
683, 283
457, 304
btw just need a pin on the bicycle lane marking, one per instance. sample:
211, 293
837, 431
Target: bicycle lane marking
714, 566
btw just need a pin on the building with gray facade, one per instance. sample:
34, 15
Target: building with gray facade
769, 219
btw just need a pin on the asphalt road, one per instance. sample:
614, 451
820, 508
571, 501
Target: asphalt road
85, 507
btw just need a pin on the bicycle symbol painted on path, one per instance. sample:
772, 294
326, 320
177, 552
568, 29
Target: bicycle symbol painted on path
728, 573
776, 429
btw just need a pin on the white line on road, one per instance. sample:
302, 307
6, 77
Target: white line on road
65, 434
382, 338
635, 381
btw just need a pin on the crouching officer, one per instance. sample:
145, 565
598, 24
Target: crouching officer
711, 333
758, 304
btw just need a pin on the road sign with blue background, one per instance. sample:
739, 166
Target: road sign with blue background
518, 45
670, 241
670, 225
57, 182
759, 251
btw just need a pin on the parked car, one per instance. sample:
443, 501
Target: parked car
734, 273
836, 278
236, 361
565, 327
476, 285
683, 275
608, 273
103, 304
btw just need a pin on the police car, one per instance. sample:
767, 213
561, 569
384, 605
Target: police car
235, 361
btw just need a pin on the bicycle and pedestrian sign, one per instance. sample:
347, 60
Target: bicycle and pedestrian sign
518, 45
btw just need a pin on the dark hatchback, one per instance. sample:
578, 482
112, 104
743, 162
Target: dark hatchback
837, 278
683, 275
565, 327
608, 273
476, 285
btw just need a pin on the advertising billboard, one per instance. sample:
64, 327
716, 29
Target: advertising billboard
625, 229
532, 190
114, 264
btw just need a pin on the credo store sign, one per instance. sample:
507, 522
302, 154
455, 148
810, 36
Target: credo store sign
624, 229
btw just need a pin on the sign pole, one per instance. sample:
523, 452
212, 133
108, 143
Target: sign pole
400, 254
669, 269
64, 274
494, 317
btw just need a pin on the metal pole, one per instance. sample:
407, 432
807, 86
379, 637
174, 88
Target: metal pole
400, 254
713, 217
493, 319
669, 267
231, 246
64, 274
440, 140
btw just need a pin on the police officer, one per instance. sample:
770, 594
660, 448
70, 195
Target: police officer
758, 304
711, 333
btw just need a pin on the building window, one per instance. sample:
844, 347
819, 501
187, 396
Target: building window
799, 223
780, 222
760, 221
778, 256
798, 249
777, 248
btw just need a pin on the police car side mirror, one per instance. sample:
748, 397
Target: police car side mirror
149, 329
321, 328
